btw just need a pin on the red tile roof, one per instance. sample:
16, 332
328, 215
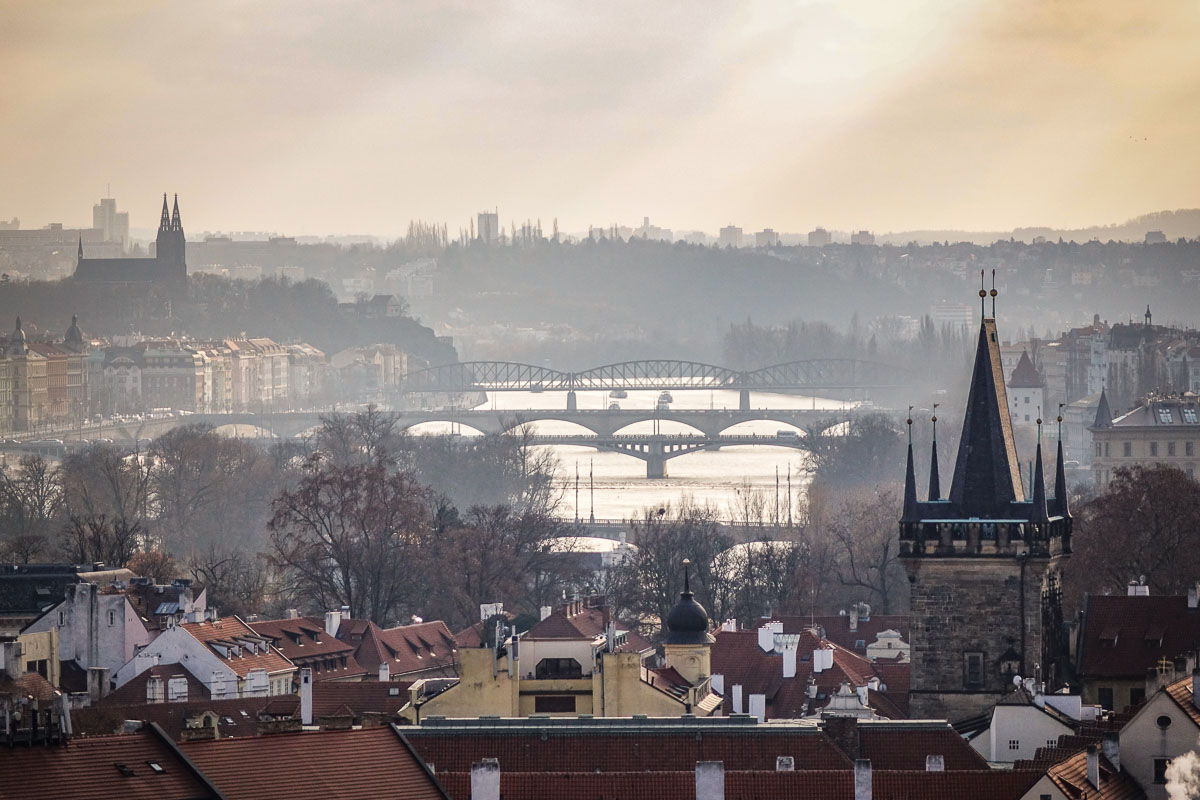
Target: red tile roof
426, 649
535, 749
29, 684
360, 697
837, 628
133, 691
1070, 777
234, 631
235, 717
1122, 636
577, 620
361, 764
1181, 692
88, 769
904, 746
305, 643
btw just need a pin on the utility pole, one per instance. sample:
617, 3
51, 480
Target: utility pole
576, 492
592, 491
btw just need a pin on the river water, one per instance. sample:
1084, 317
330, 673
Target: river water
614, 486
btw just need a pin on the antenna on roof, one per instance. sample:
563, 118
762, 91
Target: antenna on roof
994, 293
982, 296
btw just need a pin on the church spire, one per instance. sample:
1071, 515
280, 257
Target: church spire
935, 483
80, 249
164, 224
176, 225
1103, 413
910, 480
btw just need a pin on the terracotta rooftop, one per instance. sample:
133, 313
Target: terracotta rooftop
1070, 776
305, 643
133, 692
1123, 636
235, 717
1181, 692
232, 635
578, 620
426, 649
103, 766
837, 628
361, 764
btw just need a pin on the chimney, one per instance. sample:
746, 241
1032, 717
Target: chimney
154, 689
717, 682
1110, 745
306, 699
758, 707
710, 780
545, 611
729, 625
766, 639
737, 698
935, 763
818, 661
292, 613
862, 779
385, 672
1093, 766
333, 621
1193, 598
789, 662
485, 780
97, 683
853, 617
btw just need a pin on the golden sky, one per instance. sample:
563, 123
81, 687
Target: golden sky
355, 117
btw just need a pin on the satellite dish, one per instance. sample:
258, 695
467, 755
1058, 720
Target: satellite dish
1016, 680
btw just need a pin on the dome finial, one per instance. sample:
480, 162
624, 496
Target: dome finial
686, 587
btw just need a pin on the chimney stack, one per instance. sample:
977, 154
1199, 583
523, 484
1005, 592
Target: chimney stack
1093, 766
737, 698
545, 611
1193, 597
333, 621
97, 683
710, 780
853, 617
485, 780
385, 672
935, 763
1110, 745
758, 707
789, 662
862, 779
766, 639
306, 698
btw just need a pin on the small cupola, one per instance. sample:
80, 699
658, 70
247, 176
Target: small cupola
687, 622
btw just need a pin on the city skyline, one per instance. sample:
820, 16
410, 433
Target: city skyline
975, 118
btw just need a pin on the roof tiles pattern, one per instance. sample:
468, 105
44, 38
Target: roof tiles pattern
1124, 635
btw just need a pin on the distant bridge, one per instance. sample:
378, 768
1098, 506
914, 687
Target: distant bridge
814, 376
657, 449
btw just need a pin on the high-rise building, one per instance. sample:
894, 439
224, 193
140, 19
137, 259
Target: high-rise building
488, 227
819, 238
862, 237
731, 236
766, 238
114, 224
984, 564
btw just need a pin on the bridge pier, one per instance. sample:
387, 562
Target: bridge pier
656, 462
572, 401
744, 400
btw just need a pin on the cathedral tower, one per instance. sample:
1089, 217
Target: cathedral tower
170, 245
984, 564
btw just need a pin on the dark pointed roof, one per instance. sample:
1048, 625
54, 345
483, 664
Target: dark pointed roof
81, 247
935, 481
176, 224
1103, 413
1040, 511
74, 334
687, 622
164, 224
910, 489
1062, 506
986, 474
1026, 376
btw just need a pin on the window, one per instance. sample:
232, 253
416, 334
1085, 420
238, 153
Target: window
973, 670
1014, 744
554, 704
112, 618
1154, 449
1128, 449
1027, 418
1160, 770
1105, 697
1097, 449
1026, 399
1106, 449
1189, 448
62, 618
558, 668
1170, 448
1189, 415
1163, 722
1164, 416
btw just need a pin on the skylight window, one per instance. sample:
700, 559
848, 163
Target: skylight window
155, 767
1164, 416
1189, 415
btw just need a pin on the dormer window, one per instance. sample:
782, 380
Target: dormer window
1164, 416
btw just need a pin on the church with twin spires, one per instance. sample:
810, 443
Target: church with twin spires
168, 266
984, 563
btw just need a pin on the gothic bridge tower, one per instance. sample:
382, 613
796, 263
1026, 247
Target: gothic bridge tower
984, 564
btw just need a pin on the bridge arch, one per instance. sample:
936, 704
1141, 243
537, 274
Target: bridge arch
408, 427
653, 373
243, 430
689, 425
484, 375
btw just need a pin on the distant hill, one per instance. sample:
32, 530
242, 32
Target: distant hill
1184, 222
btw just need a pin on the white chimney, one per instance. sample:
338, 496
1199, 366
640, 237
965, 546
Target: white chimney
154, 689
333, 621
789, 662
862, 779
1193, 597
862, 695
717, 682
710, 780
1110, 745
758, 707
545, 611
935, 763
853, 618
1093, 766
766, 639
812, 688
385, 672
818, 661
485, 780
737, 698
729, 625
306, 699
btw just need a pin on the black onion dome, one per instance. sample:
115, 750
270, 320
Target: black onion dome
687, 621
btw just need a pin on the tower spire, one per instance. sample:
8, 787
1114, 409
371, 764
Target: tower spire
1061, 502
164, 224
935, 483
80, 248
910, 479
176, 225
1040, 513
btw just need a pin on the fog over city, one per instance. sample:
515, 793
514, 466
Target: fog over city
408, 386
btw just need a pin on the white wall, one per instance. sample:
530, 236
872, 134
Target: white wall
85, 634
177, 646
1143, 740
1028, 726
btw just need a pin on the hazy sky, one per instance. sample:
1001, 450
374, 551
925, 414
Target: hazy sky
355, 117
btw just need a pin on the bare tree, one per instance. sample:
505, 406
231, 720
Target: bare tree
30, 509
869, 546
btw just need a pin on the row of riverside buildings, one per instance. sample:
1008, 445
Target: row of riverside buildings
66, 381
984, 690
